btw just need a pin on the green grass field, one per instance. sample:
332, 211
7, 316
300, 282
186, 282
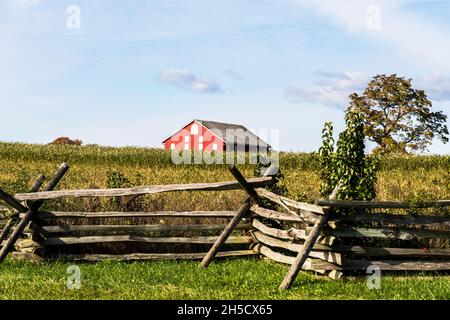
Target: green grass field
231, 279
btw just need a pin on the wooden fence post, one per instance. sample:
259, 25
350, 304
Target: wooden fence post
6, 230
35, 188
9, 199
30, 213
10, 222
245, 185
244, 209
307, 246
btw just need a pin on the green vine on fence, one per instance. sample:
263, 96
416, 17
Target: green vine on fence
347, 163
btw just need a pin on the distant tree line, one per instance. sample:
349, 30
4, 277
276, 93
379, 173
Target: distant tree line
67, 141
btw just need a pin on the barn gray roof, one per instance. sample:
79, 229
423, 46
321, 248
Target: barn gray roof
234, 134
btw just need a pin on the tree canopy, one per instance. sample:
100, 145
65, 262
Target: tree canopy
398, 117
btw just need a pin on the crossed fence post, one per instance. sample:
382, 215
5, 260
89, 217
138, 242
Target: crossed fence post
243, 210
10, 221
307, 246
253, 196
30, 209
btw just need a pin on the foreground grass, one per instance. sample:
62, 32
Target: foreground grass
232, 279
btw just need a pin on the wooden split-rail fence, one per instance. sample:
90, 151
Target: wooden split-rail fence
330, 237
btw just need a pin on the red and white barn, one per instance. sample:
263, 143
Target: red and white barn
201, 135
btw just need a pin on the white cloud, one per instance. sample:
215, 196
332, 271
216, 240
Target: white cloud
416, 38
329, 88
25, 3
333, 88
189, 81
436, 86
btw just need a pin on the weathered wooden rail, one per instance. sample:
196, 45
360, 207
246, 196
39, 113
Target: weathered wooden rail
314, 237
136, 191
47, 235
342, 241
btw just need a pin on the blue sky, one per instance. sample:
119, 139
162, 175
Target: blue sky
135, 71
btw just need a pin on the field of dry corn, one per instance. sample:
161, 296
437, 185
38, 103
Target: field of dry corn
400, 178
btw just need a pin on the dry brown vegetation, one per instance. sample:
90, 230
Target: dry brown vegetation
400, 178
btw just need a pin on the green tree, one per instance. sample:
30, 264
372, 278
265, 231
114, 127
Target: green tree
398, 117
347, 165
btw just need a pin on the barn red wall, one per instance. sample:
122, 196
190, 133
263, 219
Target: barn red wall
209, 139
